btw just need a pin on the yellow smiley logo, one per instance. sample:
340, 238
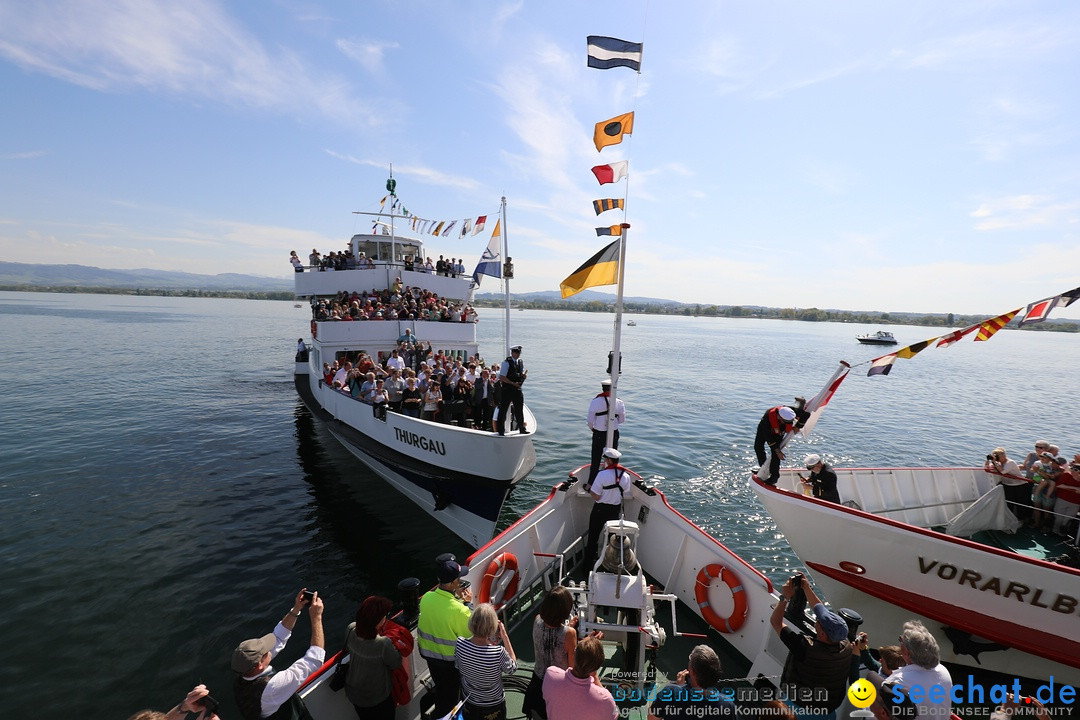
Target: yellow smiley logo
861, 693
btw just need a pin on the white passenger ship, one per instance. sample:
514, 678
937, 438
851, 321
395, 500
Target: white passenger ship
459, 475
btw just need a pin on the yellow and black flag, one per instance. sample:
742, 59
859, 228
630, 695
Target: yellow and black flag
610, 132
605, 204
601, 269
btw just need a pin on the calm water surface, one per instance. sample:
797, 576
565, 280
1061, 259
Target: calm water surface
164, 493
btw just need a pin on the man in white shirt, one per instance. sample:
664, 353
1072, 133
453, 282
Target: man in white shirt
394, 362
341, 378
600, 414
260, 692
607, 491
923, 680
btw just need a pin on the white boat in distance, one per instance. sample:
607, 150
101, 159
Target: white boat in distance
459, 475
881, 337
667, 562
885, 552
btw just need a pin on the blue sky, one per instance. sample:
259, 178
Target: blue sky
912, 155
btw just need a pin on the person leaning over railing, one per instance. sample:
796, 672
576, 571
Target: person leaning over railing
1017, 487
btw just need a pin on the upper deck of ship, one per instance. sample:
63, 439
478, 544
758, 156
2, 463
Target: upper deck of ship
390, 256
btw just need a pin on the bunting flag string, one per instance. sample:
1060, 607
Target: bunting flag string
425, 226
985, 329
988, 328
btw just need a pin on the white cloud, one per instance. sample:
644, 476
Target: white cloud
28, 155
191, 49
1025, 211
368, 53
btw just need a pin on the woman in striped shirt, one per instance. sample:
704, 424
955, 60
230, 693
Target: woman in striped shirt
482, 660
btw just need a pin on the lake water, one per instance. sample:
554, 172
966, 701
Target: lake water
163, 492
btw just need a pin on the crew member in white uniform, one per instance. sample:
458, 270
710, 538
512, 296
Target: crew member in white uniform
611, 484
600, 414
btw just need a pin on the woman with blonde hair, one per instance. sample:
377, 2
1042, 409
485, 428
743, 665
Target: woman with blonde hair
482, 660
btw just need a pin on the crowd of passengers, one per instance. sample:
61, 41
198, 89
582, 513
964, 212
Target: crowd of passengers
399, 302
347, 260
416, 382
1043, 491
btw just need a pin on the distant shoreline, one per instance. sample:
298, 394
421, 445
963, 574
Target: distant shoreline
947, 320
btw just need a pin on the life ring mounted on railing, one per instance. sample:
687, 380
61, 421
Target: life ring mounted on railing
738, 615
500, 582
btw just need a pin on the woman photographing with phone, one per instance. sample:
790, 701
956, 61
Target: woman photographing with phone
482, 660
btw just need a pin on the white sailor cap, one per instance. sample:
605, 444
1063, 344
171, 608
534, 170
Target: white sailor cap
515, 348
786, 414
612, 453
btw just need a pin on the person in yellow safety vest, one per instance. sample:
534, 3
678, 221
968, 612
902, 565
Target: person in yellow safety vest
444, 617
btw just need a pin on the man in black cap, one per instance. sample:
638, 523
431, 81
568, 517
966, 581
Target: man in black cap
260, 692
600, 414
512, 374
444, 617
817, 663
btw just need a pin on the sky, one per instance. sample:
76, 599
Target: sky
897, 156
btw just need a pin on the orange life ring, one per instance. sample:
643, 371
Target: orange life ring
314, 329
504, 563
738, 594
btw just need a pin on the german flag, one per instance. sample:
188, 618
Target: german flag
610, 132
601, 269
607, 204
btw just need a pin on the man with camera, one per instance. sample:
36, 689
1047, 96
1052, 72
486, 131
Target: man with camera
817, 666
260, 692
1016, 486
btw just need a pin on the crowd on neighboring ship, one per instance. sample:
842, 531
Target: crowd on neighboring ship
348, 260
398, 302
1043, 491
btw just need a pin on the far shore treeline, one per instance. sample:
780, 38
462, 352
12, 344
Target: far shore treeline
600, 306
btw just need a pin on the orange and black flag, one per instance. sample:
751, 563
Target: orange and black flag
605, 204
610, 132
601, 269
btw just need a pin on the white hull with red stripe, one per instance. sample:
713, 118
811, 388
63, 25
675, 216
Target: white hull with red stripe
885, 559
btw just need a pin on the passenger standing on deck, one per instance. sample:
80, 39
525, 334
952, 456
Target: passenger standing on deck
512, 374
554, 643
443, 619
575, 693
483, 659
814, 663
1016, 486
822, 480
600, 414
259, 691
773, 426
607, 491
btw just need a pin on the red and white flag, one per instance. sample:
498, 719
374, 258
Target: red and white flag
479, 227
611, 173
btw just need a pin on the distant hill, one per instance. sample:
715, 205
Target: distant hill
583, 297
45, 276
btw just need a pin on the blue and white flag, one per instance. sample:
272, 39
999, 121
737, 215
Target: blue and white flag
608, 52
491, 261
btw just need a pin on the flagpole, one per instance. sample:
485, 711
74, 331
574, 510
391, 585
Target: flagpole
391, 185
616, 351
506, 280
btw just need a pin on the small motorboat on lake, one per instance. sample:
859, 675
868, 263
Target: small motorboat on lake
881, 337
